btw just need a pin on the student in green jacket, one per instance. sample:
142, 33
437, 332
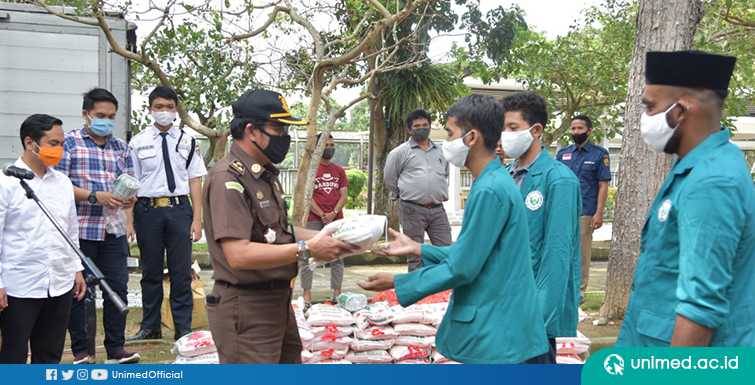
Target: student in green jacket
694, 284
551, 195
494, 316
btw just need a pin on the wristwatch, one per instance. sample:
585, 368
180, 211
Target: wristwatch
92, 197
302, 253
336, 212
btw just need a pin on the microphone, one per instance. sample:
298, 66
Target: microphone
18, 172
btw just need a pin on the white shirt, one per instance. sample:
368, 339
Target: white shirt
35, 260
149, 168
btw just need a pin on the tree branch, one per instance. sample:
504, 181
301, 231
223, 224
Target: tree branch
273, 14
64, 16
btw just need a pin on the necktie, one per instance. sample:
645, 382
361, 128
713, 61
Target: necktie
166, 160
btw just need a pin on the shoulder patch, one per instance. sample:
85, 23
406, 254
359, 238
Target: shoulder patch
606, 161
238, 167
234, 186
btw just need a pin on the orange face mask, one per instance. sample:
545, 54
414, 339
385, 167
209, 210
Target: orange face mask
50, 156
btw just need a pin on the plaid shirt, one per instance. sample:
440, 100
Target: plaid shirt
521, 173
93, 168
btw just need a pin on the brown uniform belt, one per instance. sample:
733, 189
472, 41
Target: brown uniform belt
426, 205
270, 285
163, 201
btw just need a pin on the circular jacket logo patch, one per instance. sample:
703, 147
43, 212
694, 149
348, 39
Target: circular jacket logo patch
534, 200
664, 210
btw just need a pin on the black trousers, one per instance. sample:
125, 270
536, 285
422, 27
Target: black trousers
548, 357
159, 230
39, 322
110, 256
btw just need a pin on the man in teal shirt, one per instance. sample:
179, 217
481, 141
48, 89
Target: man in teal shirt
552, 197
494, 316
695, 279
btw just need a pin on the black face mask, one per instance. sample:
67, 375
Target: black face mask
277, 148
328, 153
579, 138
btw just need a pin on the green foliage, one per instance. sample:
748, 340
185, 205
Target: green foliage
357, 179
611, 201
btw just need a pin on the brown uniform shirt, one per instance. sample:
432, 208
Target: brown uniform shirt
243, 199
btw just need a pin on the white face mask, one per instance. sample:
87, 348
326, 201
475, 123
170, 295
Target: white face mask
516, 143
655, 129
456, 151
164, 118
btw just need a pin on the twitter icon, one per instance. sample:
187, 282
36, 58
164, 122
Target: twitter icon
67, 374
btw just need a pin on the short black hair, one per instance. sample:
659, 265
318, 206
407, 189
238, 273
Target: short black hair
531, 105
238, 126
164, 92
482, 112
586, 118
417, 114
320, 134
98, 95
37, 125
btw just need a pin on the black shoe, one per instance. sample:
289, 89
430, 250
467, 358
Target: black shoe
181, 333
146, 334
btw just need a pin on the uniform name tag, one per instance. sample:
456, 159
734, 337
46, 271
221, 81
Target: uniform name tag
567, 157
145, 147
589, 162
265, 204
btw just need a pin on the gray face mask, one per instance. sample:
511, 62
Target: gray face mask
420, 133
328, 153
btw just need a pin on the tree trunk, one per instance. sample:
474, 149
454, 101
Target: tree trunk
661, 26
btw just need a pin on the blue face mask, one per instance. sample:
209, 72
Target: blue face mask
102, 127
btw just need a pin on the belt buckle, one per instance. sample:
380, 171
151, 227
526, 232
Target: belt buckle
163, 202
428, 205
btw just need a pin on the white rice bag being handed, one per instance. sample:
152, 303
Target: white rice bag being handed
376, 314
376, 333
415, 330
370, 357
362, 231
323, 315
400, 352
195, 344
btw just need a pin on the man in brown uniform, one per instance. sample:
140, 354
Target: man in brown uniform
253, 248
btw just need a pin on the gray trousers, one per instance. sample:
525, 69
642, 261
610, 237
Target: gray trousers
417, 220
336, 267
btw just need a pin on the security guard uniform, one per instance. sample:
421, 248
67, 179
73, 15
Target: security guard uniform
162, 220
253, 321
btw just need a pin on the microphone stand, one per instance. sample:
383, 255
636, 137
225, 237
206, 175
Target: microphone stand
95, 278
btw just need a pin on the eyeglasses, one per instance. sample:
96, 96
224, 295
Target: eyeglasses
282, 129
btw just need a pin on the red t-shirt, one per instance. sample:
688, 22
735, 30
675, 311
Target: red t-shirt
330, 180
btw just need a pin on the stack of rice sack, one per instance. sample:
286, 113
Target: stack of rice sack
196, 348
568, 348
373, 336
328, 335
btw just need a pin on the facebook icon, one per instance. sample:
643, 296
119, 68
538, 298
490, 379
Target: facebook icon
52, 375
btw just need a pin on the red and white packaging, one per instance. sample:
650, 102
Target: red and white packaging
323, 315
376, 333
376, 314
369, 357
415, 361
332, 362
415, 329
569, 359
418, 341
338, 331
208, 358
434, 313
360, 345
400, 352
306, 355
195, 344
330, 354
306, 336
440, 359
328, 341
412, 314
573, 345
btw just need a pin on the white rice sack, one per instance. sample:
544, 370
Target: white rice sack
362, 231
332, 362
306, 336
438, 358
360, 345
370, 356
376, 333
328, 341
579, 339
376, 314
330, 354
571, 348
569, 359
448, 362
418, 341
400, 352
301, 320
195, 344
413, 314
207, 358
306, 355
434, 313
338, 331
323, 315
415, 329
415, 361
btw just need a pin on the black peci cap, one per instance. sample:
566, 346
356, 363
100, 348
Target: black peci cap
695, 69
266, 105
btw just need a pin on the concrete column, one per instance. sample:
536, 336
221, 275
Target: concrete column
454, 189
